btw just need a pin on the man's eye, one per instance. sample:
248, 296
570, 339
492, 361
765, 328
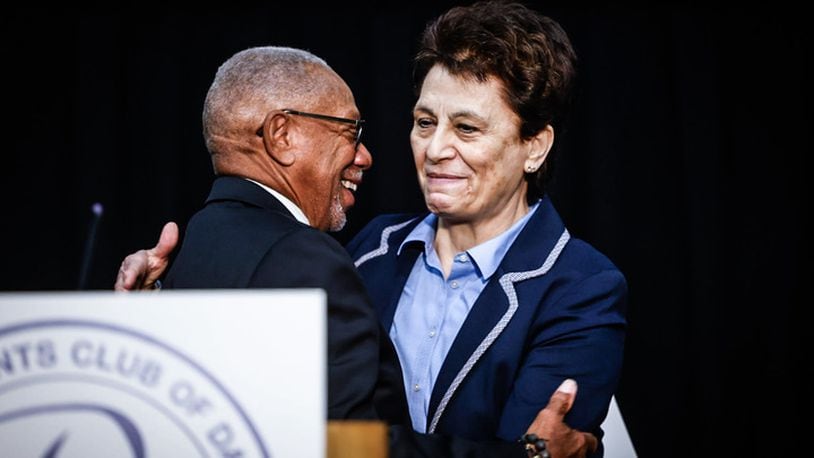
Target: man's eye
424, 123
467, 129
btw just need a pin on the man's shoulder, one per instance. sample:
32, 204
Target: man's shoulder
305, 238
234, 218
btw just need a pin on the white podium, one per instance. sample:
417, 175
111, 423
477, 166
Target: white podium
176, 373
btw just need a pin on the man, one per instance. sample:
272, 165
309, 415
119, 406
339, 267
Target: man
280, 172
284, 132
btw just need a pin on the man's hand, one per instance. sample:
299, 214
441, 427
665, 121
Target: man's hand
141, 269
561, 440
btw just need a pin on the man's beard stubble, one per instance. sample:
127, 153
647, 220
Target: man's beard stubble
338, 218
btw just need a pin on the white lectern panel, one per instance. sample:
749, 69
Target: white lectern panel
174, 373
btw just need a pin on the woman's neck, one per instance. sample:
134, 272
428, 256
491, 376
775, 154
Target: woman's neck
453, 237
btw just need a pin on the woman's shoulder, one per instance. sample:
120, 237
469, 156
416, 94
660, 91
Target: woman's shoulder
585, 254
378, 230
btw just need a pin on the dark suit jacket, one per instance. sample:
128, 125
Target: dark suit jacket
554, 309
245, 238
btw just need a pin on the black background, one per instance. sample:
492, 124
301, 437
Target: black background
686, 162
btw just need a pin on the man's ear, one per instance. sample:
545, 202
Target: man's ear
277, 139
539, 146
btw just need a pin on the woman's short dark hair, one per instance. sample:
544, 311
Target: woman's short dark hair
528, 52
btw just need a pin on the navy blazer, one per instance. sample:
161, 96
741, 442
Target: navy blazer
553, 310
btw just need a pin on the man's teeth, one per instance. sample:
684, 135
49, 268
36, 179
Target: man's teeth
349, 184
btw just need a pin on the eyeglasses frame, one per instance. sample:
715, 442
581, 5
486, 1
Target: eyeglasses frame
357, 123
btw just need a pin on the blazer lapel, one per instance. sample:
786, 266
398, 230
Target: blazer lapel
487, 311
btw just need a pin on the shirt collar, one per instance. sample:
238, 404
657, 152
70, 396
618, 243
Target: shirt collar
487, 256
288, 204
423, 233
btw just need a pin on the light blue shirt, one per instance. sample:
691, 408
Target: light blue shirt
432, 310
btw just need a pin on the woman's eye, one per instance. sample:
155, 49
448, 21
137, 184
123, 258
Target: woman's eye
467, 129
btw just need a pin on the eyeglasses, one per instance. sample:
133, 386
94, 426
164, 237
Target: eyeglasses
357, 123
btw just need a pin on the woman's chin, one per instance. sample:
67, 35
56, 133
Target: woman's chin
443, 208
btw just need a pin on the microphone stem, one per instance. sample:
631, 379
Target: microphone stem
89, 245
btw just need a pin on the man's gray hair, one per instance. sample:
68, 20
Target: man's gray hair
255, 81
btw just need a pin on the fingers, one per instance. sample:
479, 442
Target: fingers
123, 283
141, 269
558, 406
130, 271
562, 440
563, 399
167, 240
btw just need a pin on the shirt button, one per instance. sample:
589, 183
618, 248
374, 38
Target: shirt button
432, 333
462, 257
454, 284
416, 387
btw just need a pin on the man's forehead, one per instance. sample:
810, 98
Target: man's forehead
340, 103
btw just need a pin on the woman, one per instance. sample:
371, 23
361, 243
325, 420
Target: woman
488, 300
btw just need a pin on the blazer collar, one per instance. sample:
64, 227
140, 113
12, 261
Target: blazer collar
241, 190
535, 241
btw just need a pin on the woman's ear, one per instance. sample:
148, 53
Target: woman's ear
277, 138
539, 146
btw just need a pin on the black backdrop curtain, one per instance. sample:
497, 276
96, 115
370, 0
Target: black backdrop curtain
686, 162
